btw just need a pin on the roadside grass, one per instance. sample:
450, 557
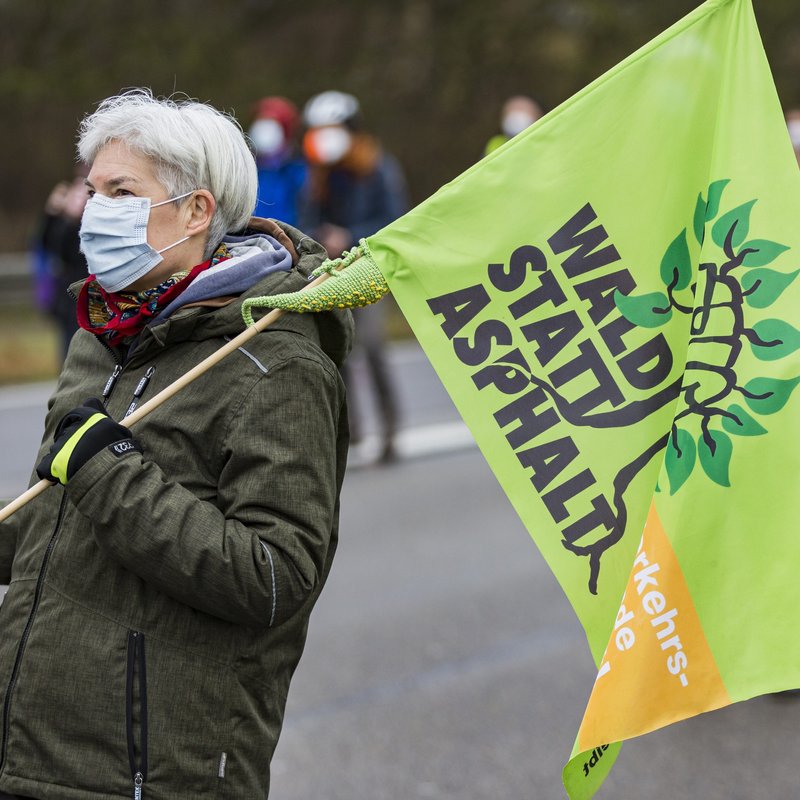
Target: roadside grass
28, 346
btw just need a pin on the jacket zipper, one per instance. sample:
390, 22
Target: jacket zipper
111, 382
110, 350
136, 668
27, 630
140, 390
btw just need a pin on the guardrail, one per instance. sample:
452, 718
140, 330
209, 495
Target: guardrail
16, 279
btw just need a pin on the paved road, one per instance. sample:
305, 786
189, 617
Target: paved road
443, 660
429, 422
22, 410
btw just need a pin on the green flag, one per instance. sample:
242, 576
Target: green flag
610, 300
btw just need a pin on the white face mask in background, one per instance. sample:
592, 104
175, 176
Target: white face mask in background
515, 122
327, 145
114, 239
794, 133
267, 137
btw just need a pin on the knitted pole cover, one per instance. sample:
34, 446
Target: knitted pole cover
354, 281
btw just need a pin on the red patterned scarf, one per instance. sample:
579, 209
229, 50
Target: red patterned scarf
116, 316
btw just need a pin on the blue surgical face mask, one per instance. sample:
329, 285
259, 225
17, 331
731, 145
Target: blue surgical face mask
114, 239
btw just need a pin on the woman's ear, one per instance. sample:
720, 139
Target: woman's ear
200, 211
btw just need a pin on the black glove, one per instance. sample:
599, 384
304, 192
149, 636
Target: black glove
82, 434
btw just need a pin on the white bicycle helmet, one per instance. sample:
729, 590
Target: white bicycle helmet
330, 108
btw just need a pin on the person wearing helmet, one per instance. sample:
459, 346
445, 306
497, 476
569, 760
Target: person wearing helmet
354, 189
517, 114
281, 171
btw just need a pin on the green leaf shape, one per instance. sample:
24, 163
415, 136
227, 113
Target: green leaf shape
677, 258
714, 198
771, 330
700, 219
640, 310
772, 394
771, 284
765, 252
679, 462
740, 217
748, 426
716, 464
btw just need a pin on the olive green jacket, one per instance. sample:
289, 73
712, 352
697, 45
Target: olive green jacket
158, 605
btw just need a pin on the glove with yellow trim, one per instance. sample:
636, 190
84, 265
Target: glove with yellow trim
81, 435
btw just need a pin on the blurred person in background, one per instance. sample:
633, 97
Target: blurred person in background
281, 170
159, 593
517, 114
59, 258
354, 189
793, 125
42, 262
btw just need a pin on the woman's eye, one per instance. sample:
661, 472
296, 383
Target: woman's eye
122, 193
90, 192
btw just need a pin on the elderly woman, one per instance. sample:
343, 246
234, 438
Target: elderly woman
159, 595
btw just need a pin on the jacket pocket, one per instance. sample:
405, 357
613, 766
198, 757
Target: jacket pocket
188, 724
66, 717
136, 711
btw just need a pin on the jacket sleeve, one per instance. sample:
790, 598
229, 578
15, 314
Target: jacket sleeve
257, 553
9, 534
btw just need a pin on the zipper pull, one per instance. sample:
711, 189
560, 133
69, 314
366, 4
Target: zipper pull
109, 387
138, 781
142, 385
139, 390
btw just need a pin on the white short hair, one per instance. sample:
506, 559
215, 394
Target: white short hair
192, 145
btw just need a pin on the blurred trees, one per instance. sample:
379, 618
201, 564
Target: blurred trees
431, 74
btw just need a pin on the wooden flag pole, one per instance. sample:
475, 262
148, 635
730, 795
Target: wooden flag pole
154, 402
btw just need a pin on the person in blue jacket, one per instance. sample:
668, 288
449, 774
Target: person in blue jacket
281, 170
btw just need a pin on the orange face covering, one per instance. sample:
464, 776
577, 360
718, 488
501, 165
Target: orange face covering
327, 146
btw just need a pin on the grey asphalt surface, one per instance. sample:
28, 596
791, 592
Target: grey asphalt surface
443, 660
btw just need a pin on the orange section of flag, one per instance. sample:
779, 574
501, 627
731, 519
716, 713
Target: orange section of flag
658, 667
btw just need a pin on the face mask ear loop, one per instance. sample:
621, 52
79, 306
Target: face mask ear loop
172, 200
174, 244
